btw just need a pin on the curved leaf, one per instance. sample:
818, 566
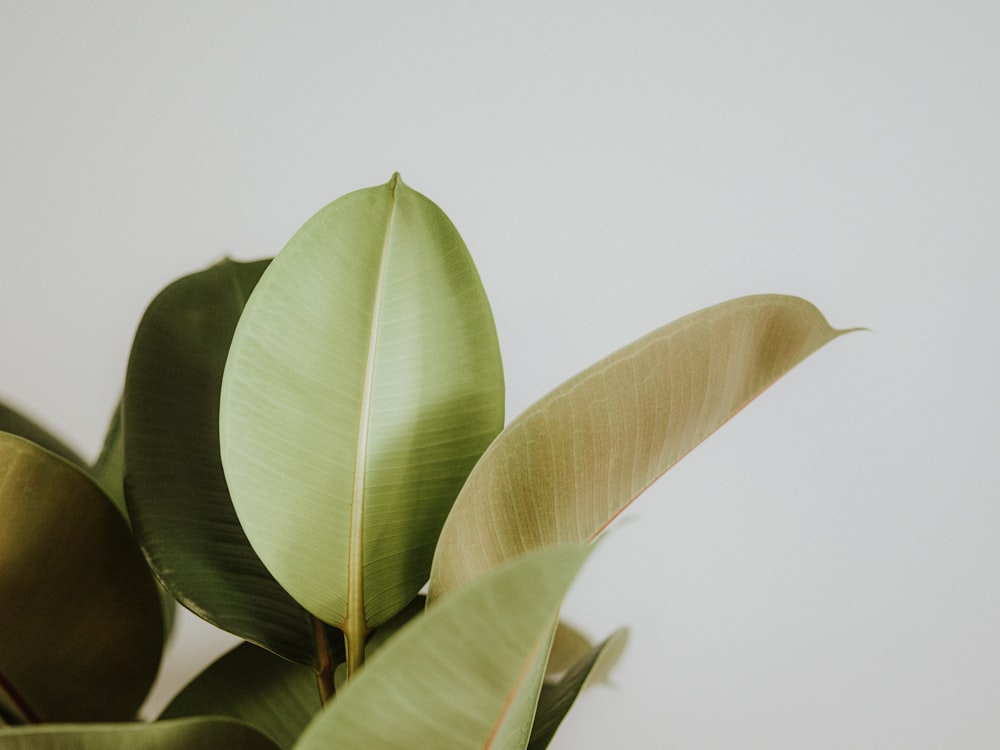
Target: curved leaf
567, 466
109, 468
176, 492
363, 382
80, 624
16, 423
448, 680
558, 696
203, 733
569, 645
273, 695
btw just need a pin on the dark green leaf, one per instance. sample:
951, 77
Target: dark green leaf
271, 694
177, 496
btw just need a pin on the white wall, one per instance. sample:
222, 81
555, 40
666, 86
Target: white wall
822, 573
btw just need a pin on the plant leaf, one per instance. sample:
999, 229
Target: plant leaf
557, 697
569, 645
363, 382
80, 625
203, 733
16, 423
109, 469
176, 492
273, 695
448, 680
567, 466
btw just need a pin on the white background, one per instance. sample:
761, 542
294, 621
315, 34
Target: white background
823, 572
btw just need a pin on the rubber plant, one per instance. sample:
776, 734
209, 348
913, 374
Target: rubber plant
306, 444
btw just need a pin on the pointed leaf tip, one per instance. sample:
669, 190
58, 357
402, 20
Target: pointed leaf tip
567, 466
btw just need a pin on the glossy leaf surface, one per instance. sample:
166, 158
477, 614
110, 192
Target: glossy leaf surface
176, 491
80, 624
273, 695
448, 679
181, 734
567, 466
363, 382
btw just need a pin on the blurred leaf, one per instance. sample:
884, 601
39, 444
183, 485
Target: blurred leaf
80, 624
557, 697
109, 469
205, 733
16, 423
275, 696
363, 382
448, 680
176, 492
568, 646
566, 467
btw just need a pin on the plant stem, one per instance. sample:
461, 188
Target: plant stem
324, 678
14, 709
355, 637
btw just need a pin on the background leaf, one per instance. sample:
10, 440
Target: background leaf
17, 423
448, 680
181, 734
557, 697
109, 468
80, 624
567, 466
177, 496
275, 696
363, 382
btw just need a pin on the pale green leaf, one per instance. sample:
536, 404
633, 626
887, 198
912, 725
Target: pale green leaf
275, 696
566, 467
205, 733
448, 680
363, 382
80, 624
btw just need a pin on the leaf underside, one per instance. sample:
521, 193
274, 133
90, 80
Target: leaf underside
567, 466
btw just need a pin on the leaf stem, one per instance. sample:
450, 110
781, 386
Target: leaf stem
14, 708
355, 637
324, 677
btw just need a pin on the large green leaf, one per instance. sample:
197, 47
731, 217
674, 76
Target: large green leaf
567, 466
206, 733
80, 625
558, 695
176, 492
450, 679
248, 683
363, 382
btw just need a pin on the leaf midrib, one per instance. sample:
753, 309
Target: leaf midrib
355, 625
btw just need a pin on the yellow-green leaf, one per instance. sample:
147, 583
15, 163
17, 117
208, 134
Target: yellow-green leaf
566, 467
80, 625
